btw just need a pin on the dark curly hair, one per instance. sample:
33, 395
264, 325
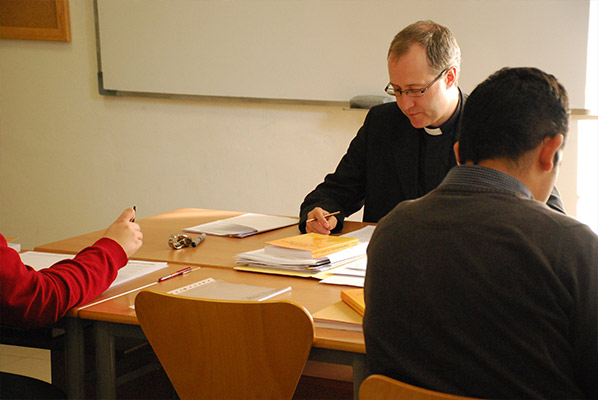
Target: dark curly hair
511, 113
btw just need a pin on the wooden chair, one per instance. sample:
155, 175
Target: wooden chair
213, 349
380, 387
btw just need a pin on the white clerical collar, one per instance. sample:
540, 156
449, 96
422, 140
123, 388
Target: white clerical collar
433, 131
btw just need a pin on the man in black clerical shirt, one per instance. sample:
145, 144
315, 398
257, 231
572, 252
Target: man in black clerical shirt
405, 148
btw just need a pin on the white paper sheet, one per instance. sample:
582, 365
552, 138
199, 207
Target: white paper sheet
356, 281
133, 269
243, 225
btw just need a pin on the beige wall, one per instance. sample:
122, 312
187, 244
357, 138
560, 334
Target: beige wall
72, 160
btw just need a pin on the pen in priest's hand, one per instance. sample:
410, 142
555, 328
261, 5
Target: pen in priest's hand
325, 216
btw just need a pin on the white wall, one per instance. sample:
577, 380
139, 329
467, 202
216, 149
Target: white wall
72, 160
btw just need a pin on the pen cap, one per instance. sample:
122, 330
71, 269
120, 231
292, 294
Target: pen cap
198, 240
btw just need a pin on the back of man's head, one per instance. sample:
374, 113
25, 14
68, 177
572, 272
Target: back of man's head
511, 113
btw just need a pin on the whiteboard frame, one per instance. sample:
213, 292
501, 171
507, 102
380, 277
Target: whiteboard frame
258, 99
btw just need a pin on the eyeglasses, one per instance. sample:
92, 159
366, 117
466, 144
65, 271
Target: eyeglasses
412, 92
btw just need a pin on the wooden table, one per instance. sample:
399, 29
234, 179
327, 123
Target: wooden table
214, 251
112, 316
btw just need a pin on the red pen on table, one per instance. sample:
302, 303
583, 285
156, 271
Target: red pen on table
178, 273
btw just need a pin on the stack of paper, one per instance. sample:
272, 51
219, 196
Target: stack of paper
303, 264
259, 258
350, 274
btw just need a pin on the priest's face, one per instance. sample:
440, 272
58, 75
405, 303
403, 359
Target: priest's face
411, 72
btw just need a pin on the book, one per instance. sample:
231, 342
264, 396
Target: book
354, 299
312, 245
338, 316
218, 289
243, 225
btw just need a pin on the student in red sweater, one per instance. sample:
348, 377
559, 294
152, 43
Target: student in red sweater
30, 298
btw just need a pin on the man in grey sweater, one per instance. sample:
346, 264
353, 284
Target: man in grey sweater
478, 288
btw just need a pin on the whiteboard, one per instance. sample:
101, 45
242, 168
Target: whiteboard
323, 50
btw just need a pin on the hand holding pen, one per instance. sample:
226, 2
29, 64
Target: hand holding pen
321, 221
126, 232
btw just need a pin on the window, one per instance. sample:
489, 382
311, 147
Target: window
587, 152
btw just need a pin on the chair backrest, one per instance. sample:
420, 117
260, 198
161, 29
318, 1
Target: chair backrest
380, 387
214, 349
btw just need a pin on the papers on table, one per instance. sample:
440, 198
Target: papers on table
243, 225
351, 260
15, 246
351, 274
133, 269
38, 260
136, 268
346, 280
364, 234
260, 257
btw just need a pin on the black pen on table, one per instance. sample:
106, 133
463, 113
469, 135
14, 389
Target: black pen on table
178, 273
325, 216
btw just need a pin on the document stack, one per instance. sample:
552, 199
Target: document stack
302, 255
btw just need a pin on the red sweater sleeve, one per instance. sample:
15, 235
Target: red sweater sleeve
30, 298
